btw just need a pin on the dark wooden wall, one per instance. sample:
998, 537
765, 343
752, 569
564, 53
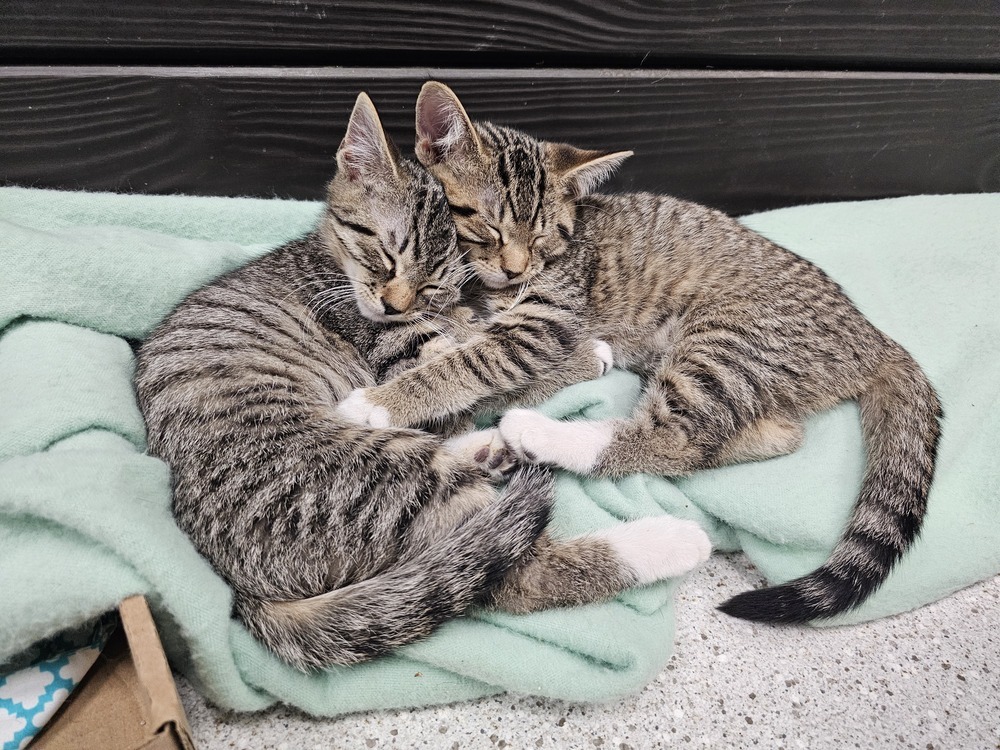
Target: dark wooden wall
738, 103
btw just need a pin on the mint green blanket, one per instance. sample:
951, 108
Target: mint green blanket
84, 514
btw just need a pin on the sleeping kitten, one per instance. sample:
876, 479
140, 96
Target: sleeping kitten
739, 339
343, 542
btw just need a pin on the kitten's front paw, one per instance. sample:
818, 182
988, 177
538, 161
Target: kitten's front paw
574, 446
487, 450
605, 358
659, 547
359, 409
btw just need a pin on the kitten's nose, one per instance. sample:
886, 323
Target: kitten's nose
397, 297
514, 260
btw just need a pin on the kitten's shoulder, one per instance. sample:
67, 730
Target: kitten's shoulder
647, 208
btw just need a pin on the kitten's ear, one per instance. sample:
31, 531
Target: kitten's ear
444, 130
366, 151
581, 170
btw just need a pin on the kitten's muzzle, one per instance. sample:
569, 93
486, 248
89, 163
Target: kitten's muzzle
397, 297
514, 260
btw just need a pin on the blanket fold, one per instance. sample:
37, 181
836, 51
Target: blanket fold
85, 514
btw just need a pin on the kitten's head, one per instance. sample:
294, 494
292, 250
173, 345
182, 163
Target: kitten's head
387, 223
513, 198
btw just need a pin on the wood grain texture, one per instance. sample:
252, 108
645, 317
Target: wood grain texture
738, 141
912, 34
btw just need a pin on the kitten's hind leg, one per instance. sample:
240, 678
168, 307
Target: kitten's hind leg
691, 410
763, 439
599, 566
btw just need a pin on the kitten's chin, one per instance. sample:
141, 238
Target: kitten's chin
500, 281
493, 280
380, 317
490, 284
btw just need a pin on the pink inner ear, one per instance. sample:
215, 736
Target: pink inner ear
441, 126
426, 151
351, 164
360, 160
433, 122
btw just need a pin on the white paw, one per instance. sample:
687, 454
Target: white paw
574, 446
486, 449
358, 409
602, 350
659, 547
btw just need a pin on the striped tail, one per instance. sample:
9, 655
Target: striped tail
900, 415
372, 617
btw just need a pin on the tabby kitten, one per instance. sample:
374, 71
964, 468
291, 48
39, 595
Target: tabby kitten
738, 339
343, 542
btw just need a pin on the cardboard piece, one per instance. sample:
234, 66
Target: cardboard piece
128, 699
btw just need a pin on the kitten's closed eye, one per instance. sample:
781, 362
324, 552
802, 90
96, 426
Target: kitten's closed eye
472, 239
460, 210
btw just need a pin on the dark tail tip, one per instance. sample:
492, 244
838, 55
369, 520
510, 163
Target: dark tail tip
819, 595
779, 604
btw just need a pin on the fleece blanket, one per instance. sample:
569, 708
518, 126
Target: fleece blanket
84, 513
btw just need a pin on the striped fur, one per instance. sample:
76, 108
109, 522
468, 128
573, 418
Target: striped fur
738, 338
342, 542
531, 344
526, 349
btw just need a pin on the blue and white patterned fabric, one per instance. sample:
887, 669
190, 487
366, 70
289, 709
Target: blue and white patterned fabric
33, 688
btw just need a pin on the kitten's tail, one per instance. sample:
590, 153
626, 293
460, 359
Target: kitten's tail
407, 602
900, 415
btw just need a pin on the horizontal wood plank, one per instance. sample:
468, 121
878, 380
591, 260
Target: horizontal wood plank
911, 34
739, 141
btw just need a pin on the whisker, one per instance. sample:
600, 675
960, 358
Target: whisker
330, 306
466, 275
316, 279
328, 298
432, 325
602, 209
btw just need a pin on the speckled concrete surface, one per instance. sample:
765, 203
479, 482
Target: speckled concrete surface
926, 680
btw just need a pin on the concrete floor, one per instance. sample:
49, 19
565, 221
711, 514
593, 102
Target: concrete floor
928, 679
